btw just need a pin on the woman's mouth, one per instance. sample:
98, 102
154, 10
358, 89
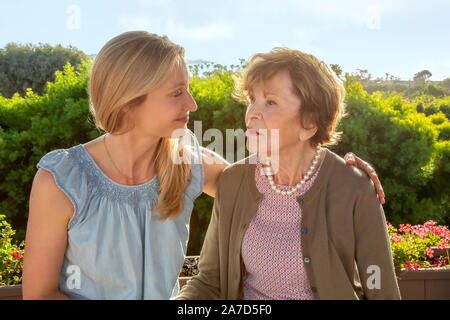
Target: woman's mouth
184, 119
251, 132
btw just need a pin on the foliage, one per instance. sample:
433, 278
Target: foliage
402, 146
190, 267
11, 255
216, 109
409, 150
23, 67
32, 126
412, 246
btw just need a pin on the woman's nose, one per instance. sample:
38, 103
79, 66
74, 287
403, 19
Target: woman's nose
191, 104
252, 112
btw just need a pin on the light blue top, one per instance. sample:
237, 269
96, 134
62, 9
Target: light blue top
116, 248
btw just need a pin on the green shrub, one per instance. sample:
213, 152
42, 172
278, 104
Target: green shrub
409, 150
11, 255
23, 67
34, 125
216, 109
402, 146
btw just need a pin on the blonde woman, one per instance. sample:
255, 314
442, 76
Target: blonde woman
294, 222
109, 219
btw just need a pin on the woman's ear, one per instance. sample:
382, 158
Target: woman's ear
308, 133
307, 128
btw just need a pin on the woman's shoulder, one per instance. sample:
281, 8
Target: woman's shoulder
237, 169
349, 176
59, 158
60, 178
233, 175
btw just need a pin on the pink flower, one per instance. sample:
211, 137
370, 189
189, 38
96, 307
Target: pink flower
397, 238
443, 244
406, 228
441, 231
429, 252
16, 255
420, 231
413, 266
429, 224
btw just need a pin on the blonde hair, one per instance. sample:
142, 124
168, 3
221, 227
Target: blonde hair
320, 91
126, 69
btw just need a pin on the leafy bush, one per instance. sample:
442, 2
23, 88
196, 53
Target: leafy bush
412, 246
216, 109
434, 90
23, 67
11, 254
409, 150
430, 105
34, 125
402, 146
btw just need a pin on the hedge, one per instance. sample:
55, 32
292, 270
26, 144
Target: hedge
408, 149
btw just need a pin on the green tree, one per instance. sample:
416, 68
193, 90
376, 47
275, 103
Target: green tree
28, 66
337, 69
422, 76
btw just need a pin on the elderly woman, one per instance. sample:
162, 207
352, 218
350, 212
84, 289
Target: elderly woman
294, 221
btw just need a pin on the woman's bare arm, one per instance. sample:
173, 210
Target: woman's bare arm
46, 238
213, 165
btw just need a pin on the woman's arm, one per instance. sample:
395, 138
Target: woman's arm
46, 238
373, 252
213, 165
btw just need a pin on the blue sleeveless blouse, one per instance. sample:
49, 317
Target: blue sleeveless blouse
116, 249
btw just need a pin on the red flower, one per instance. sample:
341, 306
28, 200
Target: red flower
406, 228
397, 238
443, 244
412, 266
429, 252
16, 255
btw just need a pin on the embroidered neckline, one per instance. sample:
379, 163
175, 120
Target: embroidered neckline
103, 177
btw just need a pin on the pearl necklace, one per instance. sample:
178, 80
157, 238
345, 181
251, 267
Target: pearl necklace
269, 173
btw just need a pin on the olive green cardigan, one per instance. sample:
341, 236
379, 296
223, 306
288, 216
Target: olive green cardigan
344, 239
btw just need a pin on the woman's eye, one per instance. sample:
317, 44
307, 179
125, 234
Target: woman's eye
271, 102
178, 93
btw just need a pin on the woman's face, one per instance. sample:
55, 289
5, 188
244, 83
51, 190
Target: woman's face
166, 108
274, 105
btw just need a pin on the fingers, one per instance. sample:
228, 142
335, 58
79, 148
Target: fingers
378, 187
349, 158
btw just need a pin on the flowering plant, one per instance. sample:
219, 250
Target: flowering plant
11, 255
414, 247
190, 267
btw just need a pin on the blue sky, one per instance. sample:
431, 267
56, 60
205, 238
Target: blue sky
400, 37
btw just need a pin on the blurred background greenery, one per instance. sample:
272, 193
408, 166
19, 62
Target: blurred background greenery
400, 127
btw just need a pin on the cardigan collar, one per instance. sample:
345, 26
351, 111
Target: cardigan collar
321, 179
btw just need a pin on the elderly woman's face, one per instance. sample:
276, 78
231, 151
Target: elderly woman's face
273, 105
